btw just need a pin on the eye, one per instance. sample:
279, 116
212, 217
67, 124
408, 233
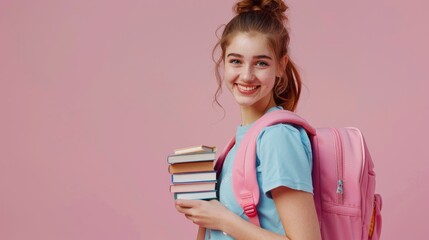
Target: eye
234, 61
262, 64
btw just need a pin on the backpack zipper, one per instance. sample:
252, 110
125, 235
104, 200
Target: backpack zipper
340, 166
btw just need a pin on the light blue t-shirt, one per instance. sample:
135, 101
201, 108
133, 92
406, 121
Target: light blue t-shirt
283, 158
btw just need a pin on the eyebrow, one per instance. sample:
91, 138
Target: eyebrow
257, 57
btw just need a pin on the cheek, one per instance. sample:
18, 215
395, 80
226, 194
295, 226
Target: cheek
268, 78
230, 75
228, 79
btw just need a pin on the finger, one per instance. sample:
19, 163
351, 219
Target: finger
188, 203
191, 218
182, 209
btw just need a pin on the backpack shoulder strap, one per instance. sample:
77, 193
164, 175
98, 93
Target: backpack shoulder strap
218, 164
245, 184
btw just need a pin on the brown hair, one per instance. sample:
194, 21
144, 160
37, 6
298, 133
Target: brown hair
265, 17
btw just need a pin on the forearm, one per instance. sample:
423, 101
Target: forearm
213, 215
201, 233
239, 228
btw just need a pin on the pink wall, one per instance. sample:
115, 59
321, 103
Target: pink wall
95, 94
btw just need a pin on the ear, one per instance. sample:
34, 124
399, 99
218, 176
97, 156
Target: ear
282, 65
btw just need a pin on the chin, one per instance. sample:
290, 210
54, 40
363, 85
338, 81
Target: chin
245, 103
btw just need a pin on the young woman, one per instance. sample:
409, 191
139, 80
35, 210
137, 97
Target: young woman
262, 78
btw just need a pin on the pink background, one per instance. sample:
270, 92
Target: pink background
95, 94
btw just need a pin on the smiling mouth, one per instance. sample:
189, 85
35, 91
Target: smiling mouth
246, 89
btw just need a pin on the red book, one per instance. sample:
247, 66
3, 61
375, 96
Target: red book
205, 166
193, 187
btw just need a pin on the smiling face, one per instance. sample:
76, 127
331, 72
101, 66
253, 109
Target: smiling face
251, 70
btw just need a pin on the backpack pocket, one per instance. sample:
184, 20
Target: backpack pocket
375, 229
340, 222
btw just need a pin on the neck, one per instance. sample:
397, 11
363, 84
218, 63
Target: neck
250, 114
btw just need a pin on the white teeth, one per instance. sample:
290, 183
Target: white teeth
244, 88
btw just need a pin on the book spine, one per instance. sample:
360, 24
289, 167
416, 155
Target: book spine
183, 177
191, 167
193, 181
177, 195
201, 186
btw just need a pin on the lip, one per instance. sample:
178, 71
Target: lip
246, 89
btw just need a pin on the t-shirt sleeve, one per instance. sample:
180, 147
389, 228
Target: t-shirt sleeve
284, 158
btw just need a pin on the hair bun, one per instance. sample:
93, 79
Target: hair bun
276, 7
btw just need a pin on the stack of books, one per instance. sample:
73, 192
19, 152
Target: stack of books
192, 173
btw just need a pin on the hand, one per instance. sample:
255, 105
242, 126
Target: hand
208, 214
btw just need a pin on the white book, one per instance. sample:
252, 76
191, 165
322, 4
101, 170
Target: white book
195, 149
193, 177
196, 195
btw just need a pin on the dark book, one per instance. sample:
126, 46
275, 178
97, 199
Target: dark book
194, 157
207, 195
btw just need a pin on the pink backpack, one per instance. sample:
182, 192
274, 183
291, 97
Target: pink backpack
343, 178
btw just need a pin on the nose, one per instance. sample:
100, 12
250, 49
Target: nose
247, 74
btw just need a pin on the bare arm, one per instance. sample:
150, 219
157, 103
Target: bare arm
298, 217
201, 233
297, 212
213, 215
